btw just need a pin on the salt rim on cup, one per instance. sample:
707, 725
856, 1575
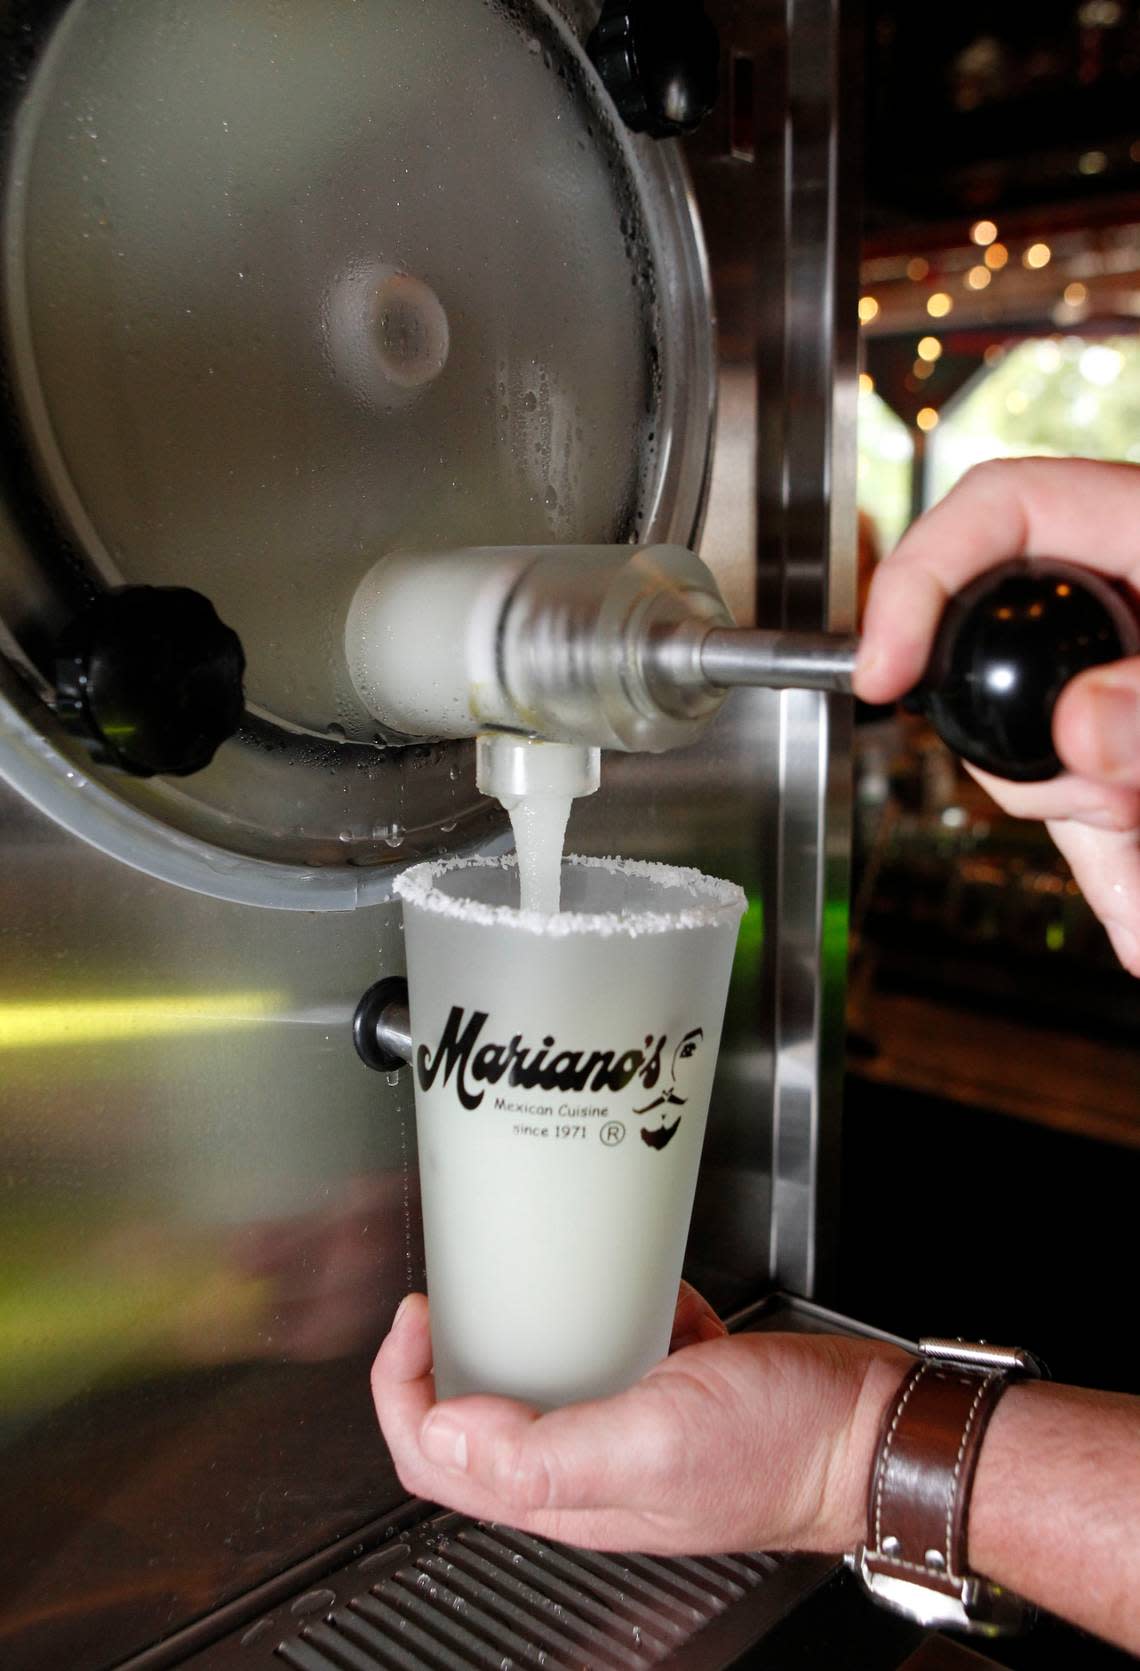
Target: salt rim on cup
713, 899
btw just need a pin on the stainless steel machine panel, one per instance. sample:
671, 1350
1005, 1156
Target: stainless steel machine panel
211, 1206
210, 1215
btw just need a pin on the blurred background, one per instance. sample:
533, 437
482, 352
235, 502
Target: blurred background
999, 317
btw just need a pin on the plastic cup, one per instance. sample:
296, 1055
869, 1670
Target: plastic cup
563, 1067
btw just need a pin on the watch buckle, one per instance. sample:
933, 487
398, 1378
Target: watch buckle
940, 1601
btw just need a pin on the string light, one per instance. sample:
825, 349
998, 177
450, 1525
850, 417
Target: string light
983, 232
926, 418
929, 348
918, 266
996, 257
939, 305
868, 309
1076, 294
1092, 162
1037, 255
922, 370
978, 277
866, 383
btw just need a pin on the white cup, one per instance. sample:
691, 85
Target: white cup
563, 1067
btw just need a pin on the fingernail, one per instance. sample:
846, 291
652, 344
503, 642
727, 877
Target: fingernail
711, 1328
685, 1340
400, 1310
1118, 722
443, 1441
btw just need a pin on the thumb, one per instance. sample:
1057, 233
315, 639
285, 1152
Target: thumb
1096, 724
616, 1452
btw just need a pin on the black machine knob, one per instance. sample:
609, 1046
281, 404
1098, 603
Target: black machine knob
1006, 647
660, 61
152, 678
381, 1027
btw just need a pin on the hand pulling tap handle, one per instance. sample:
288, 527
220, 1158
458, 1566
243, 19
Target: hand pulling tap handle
1006, 647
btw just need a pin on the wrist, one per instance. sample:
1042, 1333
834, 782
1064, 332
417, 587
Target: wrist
844, 1519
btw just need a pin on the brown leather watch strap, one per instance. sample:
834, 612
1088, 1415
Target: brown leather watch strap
917, 1519
915, 1557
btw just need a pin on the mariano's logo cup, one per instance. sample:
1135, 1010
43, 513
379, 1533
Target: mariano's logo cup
563, 1075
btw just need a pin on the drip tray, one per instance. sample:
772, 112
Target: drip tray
453, 1593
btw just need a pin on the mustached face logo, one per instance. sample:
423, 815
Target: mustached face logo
670, 1094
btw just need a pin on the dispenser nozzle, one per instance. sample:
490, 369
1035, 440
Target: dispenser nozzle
514, 768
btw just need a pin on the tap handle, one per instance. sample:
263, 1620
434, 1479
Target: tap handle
660, 62
1006, 647
151, 678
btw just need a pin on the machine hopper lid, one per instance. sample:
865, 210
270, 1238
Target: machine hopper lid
289, 287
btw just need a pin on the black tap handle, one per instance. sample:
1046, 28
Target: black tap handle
1006, 647
660, 61
152, 678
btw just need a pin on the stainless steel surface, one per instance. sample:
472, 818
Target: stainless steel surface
452, 1594
778, 660
806, 549
211, 1212
211, 1208
216, 239
764, 797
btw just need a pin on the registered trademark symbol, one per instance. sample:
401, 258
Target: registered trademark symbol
612, 1133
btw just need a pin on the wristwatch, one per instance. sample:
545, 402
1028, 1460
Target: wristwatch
914, 1560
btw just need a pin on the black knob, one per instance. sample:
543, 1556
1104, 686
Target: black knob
152, 677
660, 61
381, 1030
1006, 647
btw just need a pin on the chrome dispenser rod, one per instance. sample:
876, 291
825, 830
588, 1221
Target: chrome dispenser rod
803, 660
693, 658
394, 1031
382, 1027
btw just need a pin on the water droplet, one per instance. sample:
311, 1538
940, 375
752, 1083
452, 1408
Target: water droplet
346, 835
335, 730
392, 1078
530, 401
551, 499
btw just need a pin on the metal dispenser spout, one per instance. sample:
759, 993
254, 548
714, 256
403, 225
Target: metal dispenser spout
604, 647
547, 641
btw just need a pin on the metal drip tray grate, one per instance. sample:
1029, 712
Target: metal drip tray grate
492, 1598
452, 1594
